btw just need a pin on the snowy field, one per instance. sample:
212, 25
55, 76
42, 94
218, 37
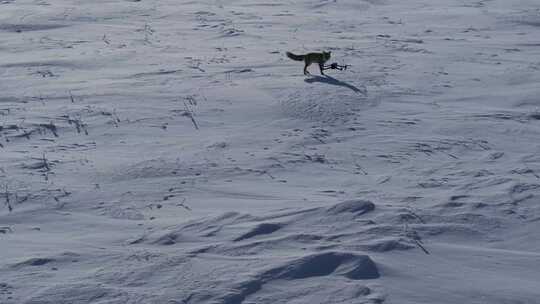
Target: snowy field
169, 152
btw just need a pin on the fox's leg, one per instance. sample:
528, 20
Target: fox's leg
321, 67
305, 69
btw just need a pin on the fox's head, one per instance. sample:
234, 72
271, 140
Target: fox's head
326, 55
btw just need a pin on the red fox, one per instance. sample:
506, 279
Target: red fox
310, 58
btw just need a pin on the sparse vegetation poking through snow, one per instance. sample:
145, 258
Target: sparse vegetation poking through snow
148, 31
11, 198
115, 120
7, 198
189, 113
80, 126
105, 39
183, 204
71, 97
63, 193
51, 127
45, 163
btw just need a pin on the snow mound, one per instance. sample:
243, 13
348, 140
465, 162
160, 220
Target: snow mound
357, 207
386, 245
349, 265
78, 293
326, 99
63, 258
261, 229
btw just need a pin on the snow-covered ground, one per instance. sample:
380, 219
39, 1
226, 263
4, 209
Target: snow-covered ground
168, 152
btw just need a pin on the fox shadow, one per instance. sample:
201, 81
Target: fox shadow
333, 81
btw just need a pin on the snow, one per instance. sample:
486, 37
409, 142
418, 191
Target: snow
169, 152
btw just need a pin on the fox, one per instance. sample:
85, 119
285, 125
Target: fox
310, 58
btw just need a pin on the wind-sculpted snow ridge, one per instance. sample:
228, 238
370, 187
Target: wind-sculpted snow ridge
335, 253
258, 238
355, 225
343, 249
318, 242
354, 267
344, 275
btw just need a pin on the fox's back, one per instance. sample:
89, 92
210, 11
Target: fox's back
316, 57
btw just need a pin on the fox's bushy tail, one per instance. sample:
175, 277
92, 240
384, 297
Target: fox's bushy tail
295, 57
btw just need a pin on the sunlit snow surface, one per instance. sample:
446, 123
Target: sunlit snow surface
169, 152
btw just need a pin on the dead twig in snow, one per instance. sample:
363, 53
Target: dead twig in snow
7, 198
420, 246
182, 204
189, 114
104, 38
45, 163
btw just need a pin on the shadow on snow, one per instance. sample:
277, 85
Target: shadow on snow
333, 81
